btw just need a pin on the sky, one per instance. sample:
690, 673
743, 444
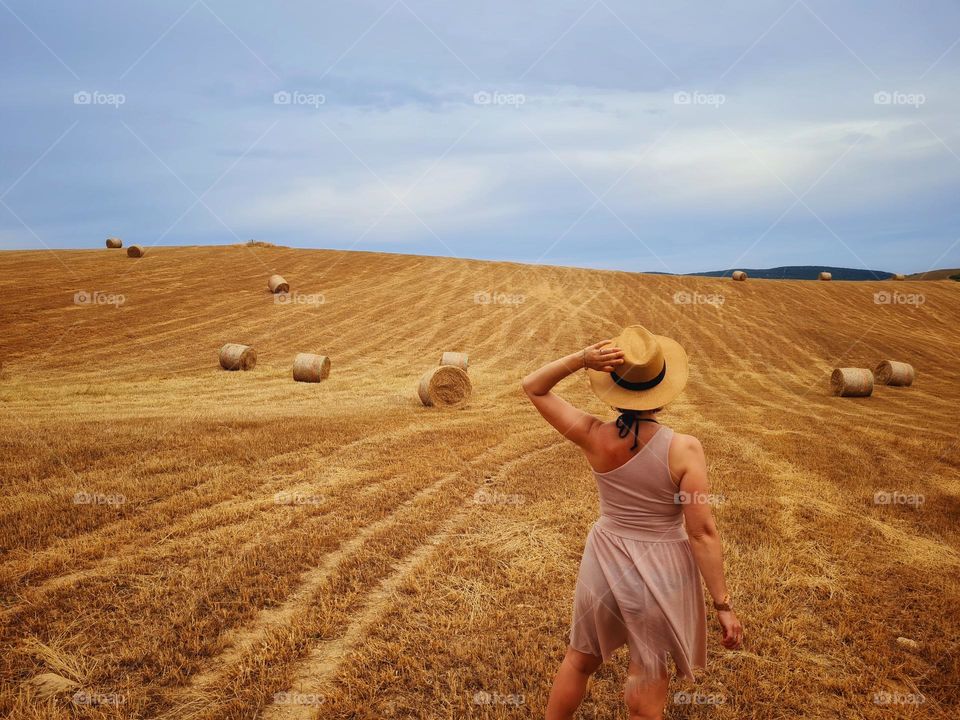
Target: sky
670, 137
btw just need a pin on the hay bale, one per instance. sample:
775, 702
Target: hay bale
113, 242
308, 367
739, 275
891, 372
444, 386
277, 284
899, 276
234, 356
852, 382
134, 251
457, 359
826, 276
47, 685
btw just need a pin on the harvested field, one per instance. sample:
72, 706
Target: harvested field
210, 544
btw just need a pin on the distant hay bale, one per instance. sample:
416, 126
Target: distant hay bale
899, 276
852, 382
234, 356
739, 275
134, 251
47, 685
444, 386
826, 276
308, 367
113, 242
891, 372
277, 284
456, 359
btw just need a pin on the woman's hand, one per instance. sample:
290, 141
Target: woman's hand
732, 629
600, 357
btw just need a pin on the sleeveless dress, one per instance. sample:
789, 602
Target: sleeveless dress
638, 582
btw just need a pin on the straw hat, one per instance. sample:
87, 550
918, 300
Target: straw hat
654, 371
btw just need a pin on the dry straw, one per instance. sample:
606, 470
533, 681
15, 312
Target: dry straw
113, 242
444, 386
826, 276
739, 275
134, 251
47, 685
277, 284
891, 372
234, 356
308, 367
852, 382
457, 359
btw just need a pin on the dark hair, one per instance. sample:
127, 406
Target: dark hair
637, 412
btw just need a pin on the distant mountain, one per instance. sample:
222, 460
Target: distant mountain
945, 274
802, 272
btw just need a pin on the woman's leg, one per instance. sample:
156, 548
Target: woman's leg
646, 693
570, 684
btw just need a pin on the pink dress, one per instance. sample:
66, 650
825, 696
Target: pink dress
638, 582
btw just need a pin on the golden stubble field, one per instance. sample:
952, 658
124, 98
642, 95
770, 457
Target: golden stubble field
244, 545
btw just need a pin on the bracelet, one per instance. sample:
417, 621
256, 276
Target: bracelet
723, 605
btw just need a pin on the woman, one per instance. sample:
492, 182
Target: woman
638, 583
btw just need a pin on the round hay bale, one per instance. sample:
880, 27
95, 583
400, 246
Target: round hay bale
891, 372
444, 386
852, 382
457, 359
899, 276
113, 242
47, 685
308, 367
826, 276
277, 284
134, 251
234, 356
739, 275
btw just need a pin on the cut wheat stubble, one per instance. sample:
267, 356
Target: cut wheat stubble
892, 372
456, 359
277, 284
234, 356
444, 386
114, 242
135, 251
852, 382
308, 367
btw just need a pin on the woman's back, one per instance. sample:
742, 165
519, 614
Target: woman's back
639, 496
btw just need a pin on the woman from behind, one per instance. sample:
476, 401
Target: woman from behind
639, 580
